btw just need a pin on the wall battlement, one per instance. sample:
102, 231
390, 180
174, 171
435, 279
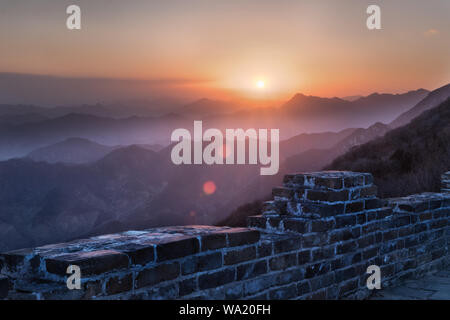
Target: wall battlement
314, 240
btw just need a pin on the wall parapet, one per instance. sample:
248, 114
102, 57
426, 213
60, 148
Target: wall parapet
314, 240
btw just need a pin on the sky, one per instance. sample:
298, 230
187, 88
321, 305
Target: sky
224, 48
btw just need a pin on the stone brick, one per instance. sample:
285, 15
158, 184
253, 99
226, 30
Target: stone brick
157, 274
139, 254
288, 244
346, 247
354, 181
298, 226
240, 255
283, 293
201, 263
251, 270
90, 263
367, 192
178, 247
283, 192
303, 288
4, 286
283, 262
370, 204
216, 279
259, 222
327, 196
118, 284
356, 206
242, 236
289, 276
346, 220
321, 225
264, 249
304, 257
213, 241
187, 286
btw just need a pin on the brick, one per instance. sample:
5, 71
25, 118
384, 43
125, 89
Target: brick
289, 276
283, 262
187, 286
327, 196
251, 270
119, 284
348, 287
354, 181
264, 249
304, 257
4, 286
283, 293
303, 288
286, 245
252, 222
351, 207
321, 225
139, 254
346, 220
283, 192
370, 204
367, 192
178, 247
242, 236
90, 263
317, 269
201, 263
298, 226
346, 247
239, 255
216, 279
329, 182
157, 274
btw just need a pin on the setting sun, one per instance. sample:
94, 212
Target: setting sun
260, 84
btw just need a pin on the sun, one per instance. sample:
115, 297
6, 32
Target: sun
260, 84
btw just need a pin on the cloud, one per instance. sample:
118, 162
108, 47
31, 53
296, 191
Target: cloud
431, 32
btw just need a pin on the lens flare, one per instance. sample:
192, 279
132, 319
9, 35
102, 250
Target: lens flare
209, 188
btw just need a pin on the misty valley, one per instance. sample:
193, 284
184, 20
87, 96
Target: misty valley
73, 172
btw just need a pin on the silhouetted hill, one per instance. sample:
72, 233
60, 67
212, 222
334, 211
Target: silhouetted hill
433, 99
409, 159
72, 150
316, 158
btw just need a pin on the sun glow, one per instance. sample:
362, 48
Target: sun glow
260, 84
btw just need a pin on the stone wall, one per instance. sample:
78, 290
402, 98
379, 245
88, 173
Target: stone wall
315, 240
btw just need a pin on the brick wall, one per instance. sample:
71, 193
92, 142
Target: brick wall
315, 240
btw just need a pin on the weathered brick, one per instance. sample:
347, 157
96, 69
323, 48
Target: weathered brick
215, 279
242, 236
251, 270
346, 220
177, 247
4, 286
283, 262
187, 286
356, 206
201, 263
328, 196
304, 257
118, 284
239, 255
283, 293
94, 262
298, 226
370, 191
139, 254
157, 274
288, 244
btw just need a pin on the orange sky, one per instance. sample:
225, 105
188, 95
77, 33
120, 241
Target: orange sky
220, 49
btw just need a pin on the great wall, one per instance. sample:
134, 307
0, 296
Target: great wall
315, 240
